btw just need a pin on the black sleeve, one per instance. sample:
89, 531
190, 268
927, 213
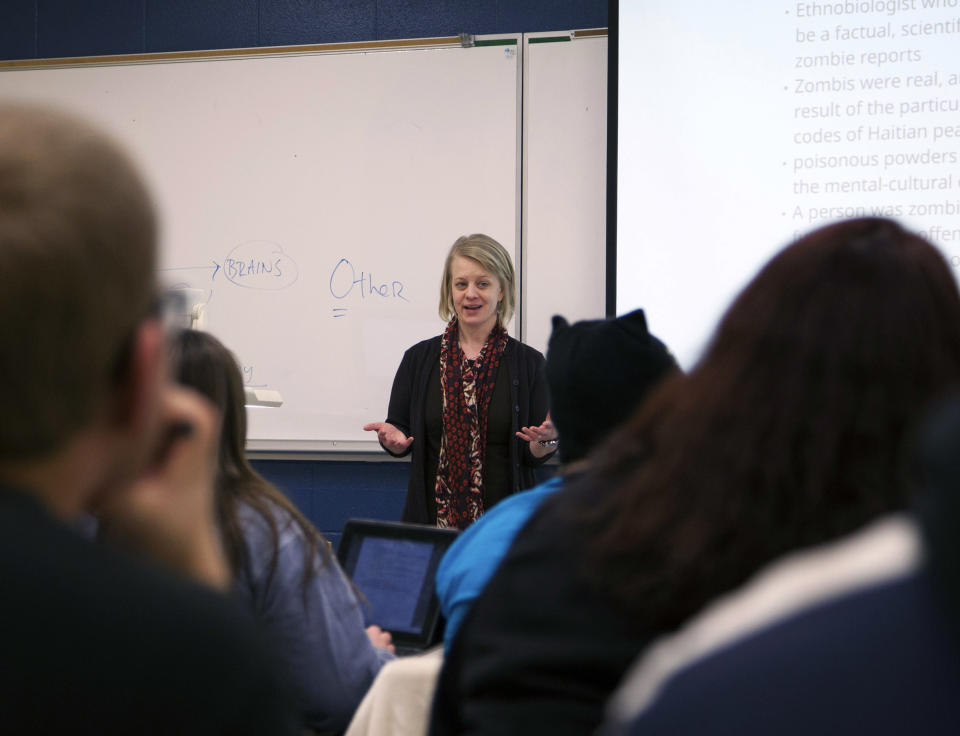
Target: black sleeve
398, 412
539, 404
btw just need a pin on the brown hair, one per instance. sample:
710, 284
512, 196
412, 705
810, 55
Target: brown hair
77, 260
494, 258
204, 364
792, 429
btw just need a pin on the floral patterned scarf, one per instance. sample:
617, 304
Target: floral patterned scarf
467, 388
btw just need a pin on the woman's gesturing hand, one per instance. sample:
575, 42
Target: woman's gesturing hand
390, 437
545, 432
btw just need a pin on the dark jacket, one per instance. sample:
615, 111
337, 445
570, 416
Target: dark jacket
540, 650
528, 395
92, 637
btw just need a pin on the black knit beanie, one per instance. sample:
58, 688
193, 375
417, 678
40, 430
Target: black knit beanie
598, 372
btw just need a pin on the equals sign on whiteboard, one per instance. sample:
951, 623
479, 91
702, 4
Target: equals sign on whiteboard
339, 312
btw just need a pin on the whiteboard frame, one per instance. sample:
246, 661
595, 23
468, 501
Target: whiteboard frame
215, 54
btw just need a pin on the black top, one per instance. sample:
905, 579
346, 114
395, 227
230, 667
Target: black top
496, 463
94, 640
407, 412
541, 649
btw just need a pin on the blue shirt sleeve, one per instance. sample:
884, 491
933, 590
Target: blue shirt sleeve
477, 552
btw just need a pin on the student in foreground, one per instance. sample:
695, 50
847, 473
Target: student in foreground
284, 572
861, 636
790, 432
94, 637
585, 409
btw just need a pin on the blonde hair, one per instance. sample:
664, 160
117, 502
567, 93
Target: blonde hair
494, 258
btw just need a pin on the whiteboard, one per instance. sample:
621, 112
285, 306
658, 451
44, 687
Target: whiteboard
312, 197
565, 179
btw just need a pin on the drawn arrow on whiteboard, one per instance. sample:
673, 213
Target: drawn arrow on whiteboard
215, 268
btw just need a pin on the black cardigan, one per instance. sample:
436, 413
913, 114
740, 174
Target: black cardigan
528, 395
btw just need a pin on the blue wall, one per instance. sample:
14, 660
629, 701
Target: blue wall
47, 28
328, 492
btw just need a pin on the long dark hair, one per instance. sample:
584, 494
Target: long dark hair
790, 431
204, 364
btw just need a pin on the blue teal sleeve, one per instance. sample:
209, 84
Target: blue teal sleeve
477, 552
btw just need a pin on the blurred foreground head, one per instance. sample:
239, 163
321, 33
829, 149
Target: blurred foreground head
77, 251
598, 372
793, 428
822, 365
863, 304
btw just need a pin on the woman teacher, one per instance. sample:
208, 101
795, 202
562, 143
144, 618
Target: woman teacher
470, 404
